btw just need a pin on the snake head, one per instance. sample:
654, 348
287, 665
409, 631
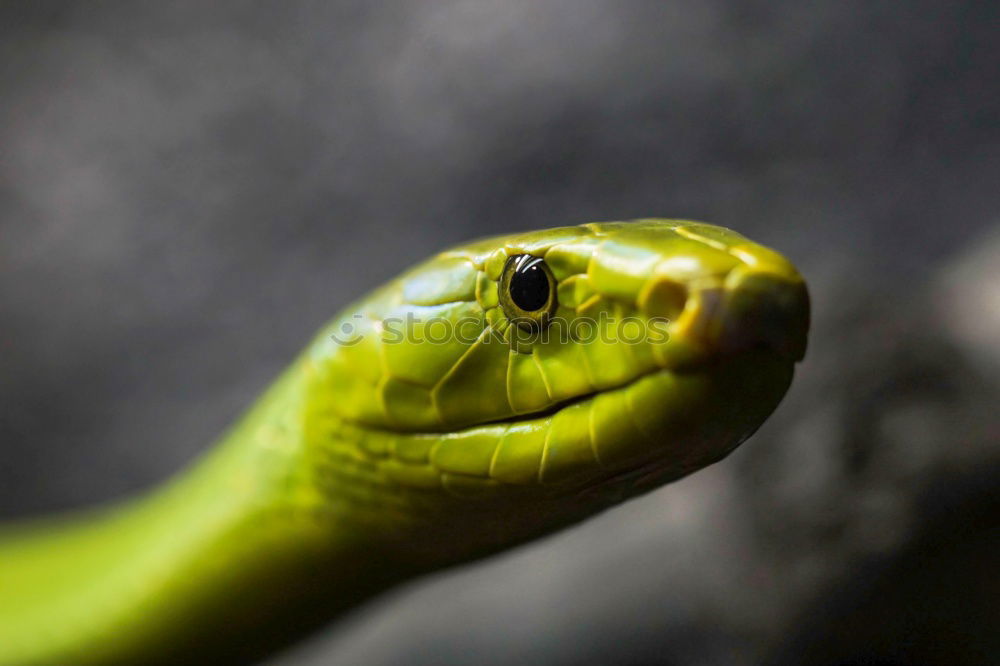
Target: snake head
595, 360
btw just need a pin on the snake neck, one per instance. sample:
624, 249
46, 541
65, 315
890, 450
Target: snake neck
232, 559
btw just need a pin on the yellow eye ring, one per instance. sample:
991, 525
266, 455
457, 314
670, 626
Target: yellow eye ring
527, 291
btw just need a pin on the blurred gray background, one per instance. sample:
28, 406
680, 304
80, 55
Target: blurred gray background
188, 190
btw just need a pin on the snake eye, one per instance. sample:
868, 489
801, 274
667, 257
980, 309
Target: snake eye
527, 291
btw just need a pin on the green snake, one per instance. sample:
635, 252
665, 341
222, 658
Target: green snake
494, 393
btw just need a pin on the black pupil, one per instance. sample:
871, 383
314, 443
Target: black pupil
529, 285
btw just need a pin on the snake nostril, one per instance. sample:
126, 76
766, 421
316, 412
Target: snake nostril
663, 297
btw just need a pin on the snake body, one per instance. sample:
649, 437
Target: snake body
469, 405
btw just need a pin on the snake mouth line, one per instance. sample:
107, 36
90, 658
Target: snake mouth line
549, 411
559, 406
555, 408
689, 367
524, 417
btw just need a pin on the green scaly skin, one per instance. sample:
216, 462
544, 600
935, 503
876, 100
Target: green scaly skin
373, 460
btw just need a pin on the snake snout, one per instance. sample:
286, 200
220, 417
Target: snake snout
765, 310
